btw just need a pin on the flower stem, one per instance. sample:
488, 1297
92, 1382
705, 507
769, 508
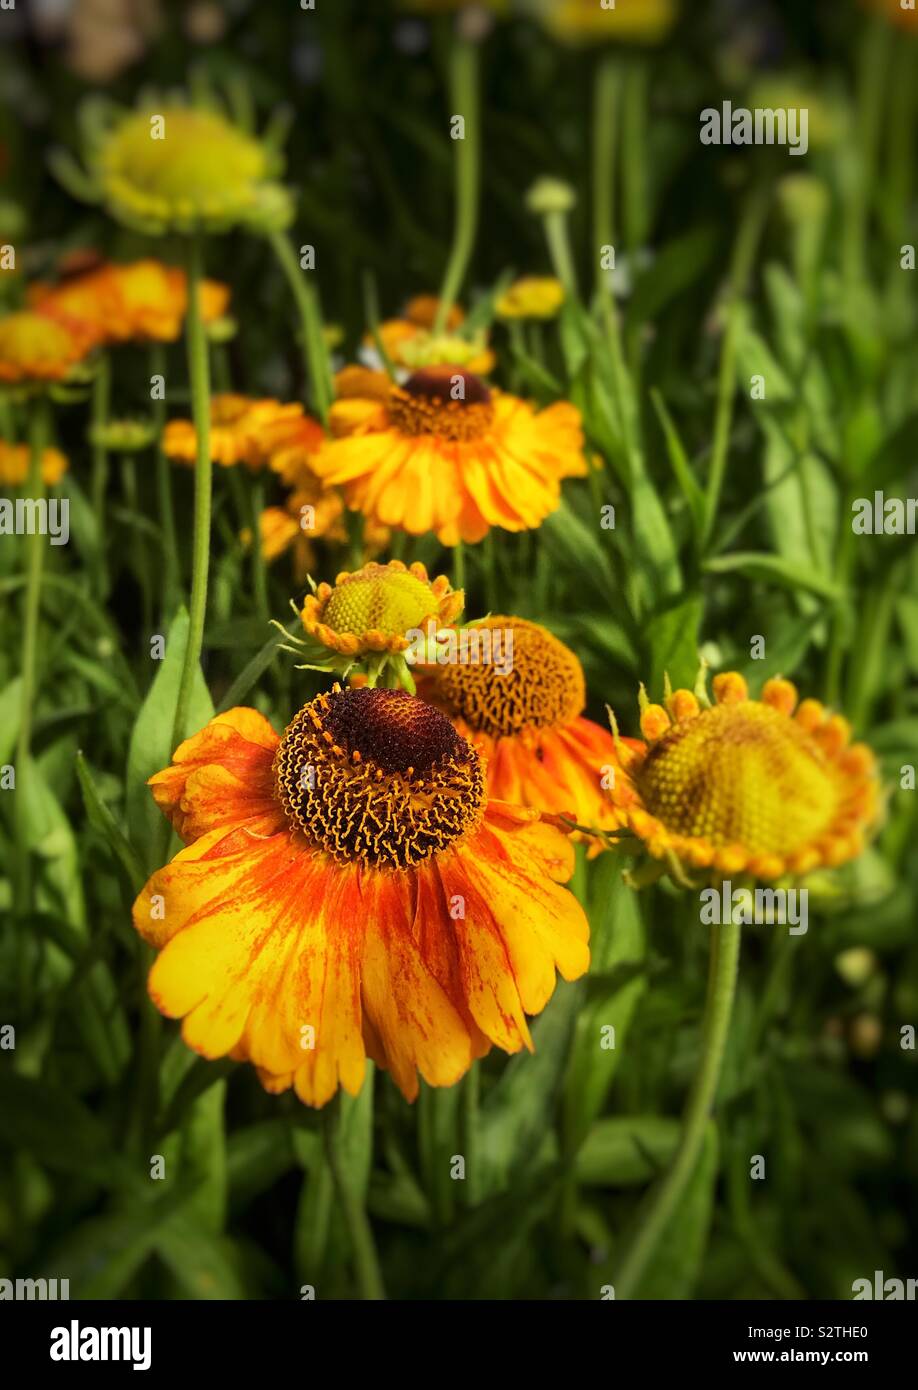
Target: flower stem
314, 355
605, 106
464, 94
100, 404
199, 377
369, 1275
751, 225
725, 947
35, 551
171, 566
459, 565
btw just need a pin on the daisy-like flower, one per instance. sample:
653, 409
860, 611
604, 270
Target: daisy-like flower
532, 297
250, 432
348, 891
15, 460
517, 694
310, 513
36, 350
443, 452
766, 788
587, 21
370, 613
185, 169
143, 301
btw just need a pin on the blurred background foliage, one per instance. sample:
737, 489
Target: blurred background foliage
731, 262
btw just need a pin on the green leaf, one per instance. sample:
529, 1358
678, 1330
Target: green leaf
617, 939
679, 461
676, 1262
102, 820
517, 1112
150, 748
775, 571
627, 1150
672, 638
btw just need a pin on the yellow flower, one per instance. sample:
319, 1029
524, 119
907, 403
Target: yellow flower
186, 169
312, 918
747, 786
517, 694
627, 21
423, 349
250, 432
35, 348
533, 297
309, 513
446, 453
142, 301
15, 462
371, 609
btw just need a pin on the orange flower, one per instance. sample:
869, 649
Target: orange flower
144, 300
445, 453
747, 786
37, 349
257, 433
517, 694
15, 460
348, 891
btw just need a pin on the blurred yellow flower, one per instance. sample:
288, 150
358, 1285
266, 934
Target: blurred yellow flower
185, 169
256, 433
37, 349
142, 301
532, 297
626, 21
15, 460
445, 453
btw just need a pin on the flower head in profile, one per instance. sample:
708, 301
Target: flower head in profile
36, 350
414, 341
766, 788
367, 616
172, 168
532, 297
144, 301
589, 21
348, 891
15, 460
443, 452
258, 433
517, 694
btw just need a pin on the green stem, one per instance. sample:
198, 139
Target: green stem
39, 433
605, 107
465, 98
199, 378
172, 582
559, 249
459, 565
725, 947
99, 407
259, 570
873, 78
635, 163
366, 1260
750, 229
315, 356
